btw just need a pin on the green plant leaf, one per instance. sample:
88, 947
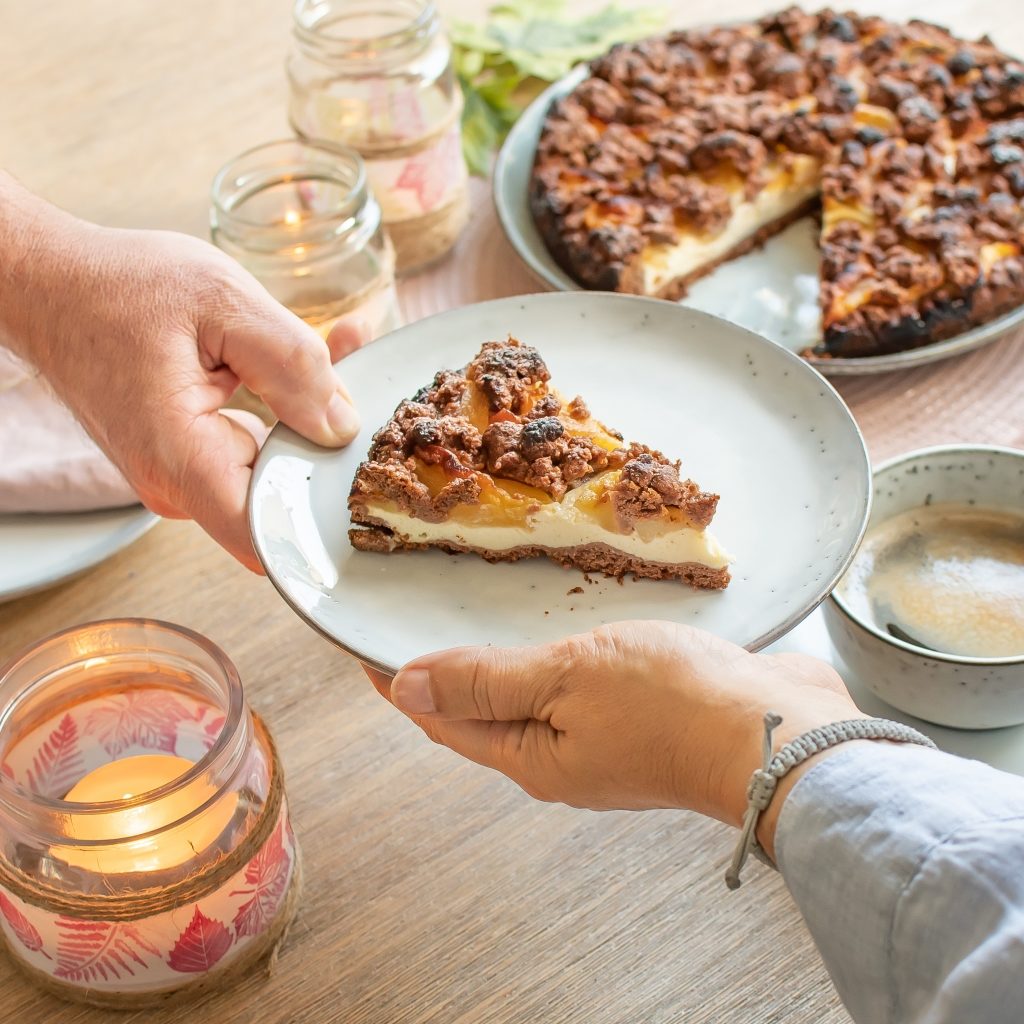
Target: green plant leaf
523, 44
480, 135
469, 63
473, 37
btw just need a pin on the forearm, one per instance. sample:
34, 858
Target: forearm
37, 241
905, 864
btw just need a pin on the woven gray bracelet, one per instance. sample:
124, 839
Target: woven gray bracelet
764, 781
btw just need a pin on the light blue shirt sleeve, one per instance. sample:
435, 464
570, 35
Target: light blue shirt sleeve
908, 867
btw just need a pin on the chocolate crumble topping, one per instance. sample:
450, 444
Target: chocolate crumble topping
666, 136
540, 453
435, 454
649, 483
505, 372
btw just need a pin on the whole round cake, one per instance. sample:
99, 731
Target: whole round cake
681, 152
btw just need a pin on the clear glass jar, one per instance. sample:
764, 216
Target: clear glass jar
377, 75
302, 219
137, 792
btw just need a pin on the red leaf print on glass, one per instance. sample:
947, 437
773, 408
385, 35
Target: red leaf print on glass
200, 945
208, 729
143, 718
99, 950
267, 873
425, 174
58, 764
6, 769
212, 730
23, 928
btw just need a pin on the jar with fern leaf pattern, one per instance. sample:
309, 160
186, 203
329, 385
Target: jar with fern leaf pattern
145, 848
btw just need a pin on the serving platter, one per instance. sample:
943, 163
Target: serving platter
749, 419
772, 291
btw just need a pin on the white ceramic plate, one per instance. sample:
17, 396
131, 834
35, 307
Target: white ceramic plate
773, 291
39, 551
749, 419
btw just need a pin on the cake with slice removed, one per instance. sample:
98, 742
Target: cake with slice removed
491, 460
682, 152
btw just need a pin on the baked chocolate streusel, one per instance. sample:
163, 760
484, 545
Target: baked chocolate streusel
498, 419
913, 140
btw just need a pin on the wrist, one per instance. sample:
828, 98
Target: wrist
39, 243
741, 753
768, 822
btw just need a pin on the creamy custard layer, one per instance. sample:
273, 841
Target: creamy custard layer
563, 525
665, 263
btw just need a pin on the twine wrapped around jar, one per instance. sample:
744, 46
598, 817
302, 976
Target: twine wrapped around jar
422, 240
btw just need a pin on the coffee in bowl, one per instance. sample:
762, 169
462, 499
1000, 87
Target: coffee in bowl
930, 616
946, 577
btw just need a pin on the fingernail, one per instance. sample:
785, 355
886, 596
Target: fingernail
342, 418
410, 692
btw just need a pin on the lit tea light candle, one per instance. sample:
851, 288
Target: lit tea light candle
302, 219
145, 846
137, 838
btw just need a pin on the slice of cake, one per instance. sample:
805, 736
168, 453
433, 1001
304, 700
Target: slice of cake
491, 460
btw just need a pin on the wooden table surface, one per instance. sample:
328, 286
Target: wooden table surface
435, 890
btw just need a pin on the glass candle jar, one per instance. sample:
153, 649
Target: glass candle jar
302, 219
377, 75
145, 847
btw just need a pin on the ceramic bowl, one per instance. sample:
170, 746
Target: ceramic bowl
948, 689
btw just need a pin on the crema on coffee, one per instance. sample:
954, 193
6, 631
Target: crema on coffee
948, 576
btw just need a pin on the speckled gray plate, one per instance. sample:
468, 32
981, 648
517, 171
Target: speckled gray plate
773, 291
42, 550
749, 420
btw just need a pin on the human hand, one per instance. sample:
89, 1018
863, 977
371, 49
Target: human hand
632, 715
145, 335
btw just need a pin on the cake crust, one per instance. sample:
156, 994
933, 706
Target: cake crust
596, 558
915, 138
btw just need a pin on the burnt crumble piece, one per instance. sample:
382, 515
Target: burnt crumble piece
542, 454
649, 483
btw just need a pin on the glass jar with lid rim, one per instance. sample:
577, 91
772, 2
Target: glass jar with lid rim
377, 75
302, 219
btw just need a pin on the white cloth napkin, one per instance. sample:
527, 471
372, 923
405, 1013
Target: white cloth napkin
47, 461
